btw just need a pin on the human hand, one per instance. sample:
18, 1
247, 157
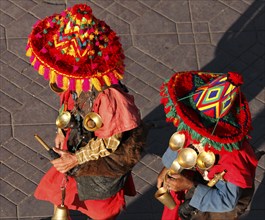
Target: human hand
161, 177
66, 162
178, 182
59, 140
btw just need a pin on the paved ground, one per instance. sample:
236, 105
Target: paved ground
159, 37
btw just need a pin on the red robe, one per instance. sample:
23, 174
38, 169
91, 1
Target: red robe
118, 114
240, 164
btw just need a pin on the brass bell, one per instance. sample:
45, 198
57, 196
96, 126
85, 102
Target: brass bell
92, 121
55, 88
205, 160
176, 141
61, 213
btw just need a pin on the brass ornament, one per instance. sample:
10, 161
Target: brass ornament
187, 158
176, 141
92, 121
65, 120
163, 195
205, 160
61, 212
55, 88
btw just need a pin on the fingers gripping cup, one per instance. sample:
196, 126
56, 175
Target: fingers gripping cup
163, 195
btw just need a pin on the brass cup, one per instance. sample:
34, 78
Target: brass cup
176, 141
92, 121
55, 88
187, 158
64, 120
164, 196
175, 167
205, 160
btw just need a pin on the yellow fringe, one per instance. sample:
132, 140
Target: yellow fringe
117, 75
52, 76
107, 80
41, 70
65, 83
96, 84
29, 52
78, 86
34, 61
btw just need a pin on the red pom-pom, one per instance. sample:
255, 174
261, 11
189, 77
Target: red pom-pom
235, 78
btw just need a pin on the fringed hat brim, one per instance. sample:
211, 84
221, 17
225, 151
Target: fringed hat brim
229, 130
76, 51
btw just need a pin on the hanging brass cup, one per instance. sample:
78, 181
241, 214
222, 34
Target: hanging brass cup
65, 120
55, 88
176, 141
205, 160
92, 121
163, 195
187, 158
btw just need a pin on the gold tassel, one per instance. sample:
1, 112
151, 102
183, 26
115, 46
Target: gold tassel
96, 84
78, 86
117, 75
41, 70
65, 83
34, 61
107, 80
52, 76
29, 52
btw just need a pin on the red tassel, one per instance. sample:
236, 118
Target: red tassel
86, 85
113, 78
72, 85
46, 74
60, 81
31, 59
37, 65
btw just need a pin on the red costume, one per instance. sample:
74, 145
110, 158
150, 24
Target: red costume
83, 60
213, 116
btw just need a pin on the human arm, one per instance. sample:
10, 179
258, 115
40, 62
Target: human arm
221, 198
99, 147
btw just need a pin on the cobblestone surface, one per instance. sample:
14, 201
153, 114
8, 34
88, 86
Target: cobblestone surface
159, 37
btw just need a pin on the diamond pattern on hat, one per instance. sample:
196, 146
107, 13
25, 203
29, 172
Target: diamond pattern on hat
216, 98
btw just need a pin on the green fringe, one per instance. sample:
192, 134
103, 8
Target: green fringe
206, 141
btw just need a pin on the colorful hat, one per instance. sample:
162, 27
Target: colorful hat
75, 50
209, 106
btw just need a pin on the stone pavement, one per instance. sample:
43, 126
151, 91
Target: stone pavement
159, 37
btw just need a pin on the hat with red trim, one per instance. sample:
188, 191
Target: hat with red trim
209, 106
76, 50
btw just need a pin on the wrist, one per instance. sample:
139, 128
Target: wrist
59, 131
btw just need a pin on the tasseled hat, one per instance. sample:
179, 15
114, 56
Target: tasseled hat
75, 50
209, 106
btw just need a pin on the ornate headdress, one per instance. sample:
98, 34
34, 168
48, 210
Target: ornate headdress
75, 50
209, 106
